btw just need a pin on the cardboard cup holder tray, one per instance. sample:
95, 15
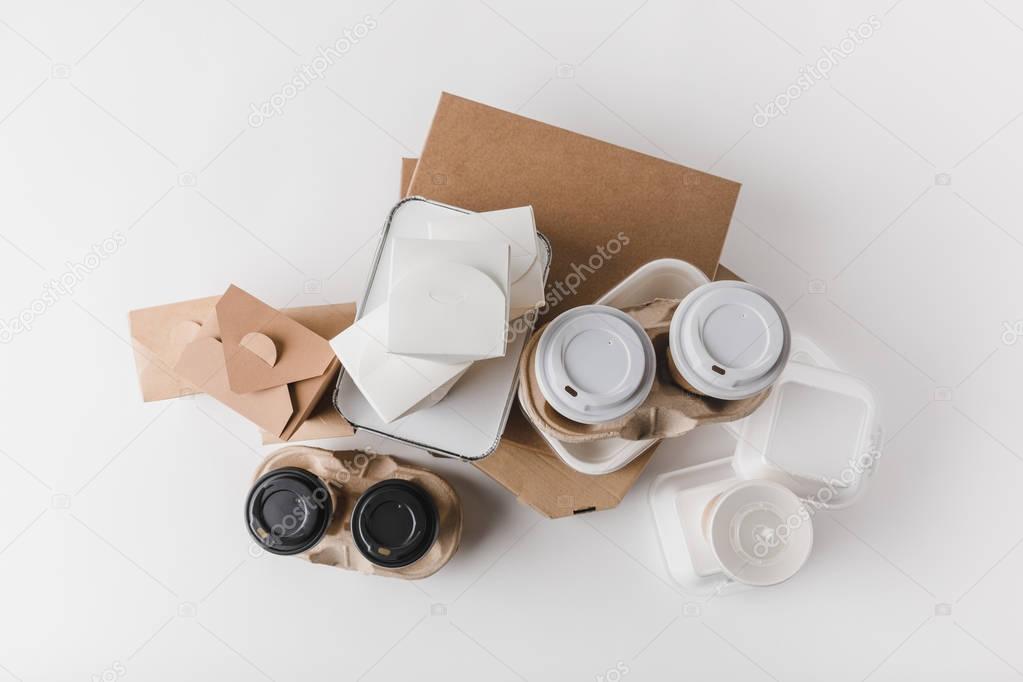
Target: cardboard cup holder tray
662, 278
348, 474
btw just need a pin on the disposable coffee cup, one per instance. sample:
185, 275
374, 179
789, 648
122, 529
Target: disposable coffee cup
394, 523
288, 510
594, 364
759, 532
727, 340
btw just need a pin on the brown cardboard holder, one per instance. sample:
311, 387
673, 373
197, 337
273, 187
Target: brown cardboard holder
162, 335
348, 474
669, 411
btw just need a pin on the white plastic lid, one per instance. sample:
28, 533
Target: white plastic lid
594, 364
729, 340
760, 532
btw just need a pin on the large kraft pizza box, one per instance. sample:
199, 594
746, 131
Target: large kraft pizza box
587, 196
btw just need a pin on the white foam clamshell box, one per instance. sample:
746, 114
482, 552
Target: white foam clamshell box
807, 436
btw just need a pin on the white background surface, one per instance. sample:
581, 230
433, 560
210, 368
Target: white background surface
882, 210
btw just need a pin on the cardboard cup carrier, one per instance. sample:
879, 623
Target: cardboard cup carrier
597, 372
357, 511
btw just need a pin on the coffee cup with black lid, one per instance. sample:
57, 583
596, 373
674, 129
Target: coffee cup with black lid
394, 523
289, 510
594, 364
728, 340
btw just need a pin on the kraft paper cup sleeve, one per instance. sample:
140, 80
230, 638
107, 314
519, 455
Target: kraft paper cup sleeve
668, 411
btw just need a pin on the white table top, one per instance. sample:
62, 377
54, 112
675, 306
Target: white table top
881, 209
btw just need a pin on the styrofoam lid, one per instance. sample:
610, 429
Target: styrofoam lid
594, 364
729, 340
760, 532
816, 434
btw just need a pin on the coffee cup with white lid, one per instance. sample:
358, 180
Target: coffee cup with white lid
594, 364
728, 340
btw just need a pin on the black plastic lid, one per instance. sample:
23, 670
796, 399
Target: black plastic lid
394, 523
288, 510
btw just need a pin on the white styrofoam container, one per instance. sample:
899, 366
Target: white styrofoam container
816, 434
663, 278
678, 498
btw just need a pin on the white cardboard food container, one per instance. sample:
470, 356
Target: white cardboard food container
662, 278
803, 461
393, 385
468, 422
448, 299
515, 227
